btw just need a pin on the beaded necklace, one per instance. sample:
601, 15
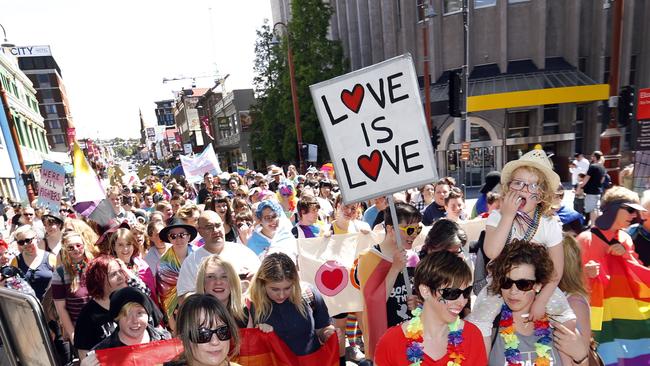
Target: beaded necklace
532, 225
79, 267
415, 333
511, 341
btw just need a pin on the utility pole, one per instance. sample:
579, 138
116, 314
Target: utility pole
610, 139
465, 130
422, 9
14, 137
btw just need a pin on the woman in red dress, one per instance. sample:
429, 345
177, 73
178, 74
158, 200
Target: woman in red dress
436, 335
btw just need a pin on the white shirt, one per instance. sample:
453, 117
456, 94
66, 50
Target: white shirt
241, 257
549, 232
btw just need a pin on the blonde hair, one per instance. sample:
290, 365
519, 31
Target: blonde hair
235, 304
546, 193
572, 277
68, 266
186, 212
124, 311
618, 193
87, 233
276, 267
140, 229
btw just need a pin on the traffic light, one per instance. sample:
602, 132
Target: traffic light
454, 94
626, 102
304, 151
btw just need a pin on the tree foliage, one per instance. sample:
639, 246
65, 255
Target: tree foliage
315, 59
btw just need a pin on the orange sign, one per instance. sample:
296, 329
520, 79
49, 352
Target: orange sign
464, 151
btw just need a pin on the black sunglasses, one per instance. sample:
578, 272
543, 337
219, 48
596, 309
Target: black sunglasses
22, 242
451, 294
522, 285
629, 209
204, 335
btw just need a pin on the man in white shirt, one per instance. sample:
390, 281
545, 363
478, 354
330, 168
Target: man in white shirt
211, 229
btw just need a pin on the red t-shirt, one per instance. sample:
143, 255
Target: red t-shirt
391, 349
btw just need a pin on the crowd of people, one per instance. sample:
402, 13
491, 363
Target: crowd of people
200, 261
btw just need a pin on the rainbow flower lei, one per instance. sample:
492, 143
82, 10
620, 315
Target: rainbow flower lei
415, 332
512, 353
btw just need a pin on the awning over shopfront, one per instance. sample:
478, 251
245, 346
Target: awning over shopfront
514, 90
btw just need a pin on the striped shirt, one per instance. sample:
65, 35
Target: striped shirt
74, 301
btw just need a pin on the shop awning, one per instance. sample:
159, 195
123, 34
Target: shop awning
513, 90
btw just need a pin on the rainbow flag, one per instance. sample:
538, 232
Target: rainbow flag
241, 170
372, 271
87, 186
152, 353
620, 312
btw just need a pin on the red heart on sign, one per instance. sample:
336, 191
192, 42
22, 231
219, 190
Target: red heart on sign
352, 99
332, 279
370, 165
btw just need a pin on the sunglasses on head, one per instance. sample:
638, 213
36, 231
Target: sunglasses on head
22, 242
451, 294
522, 285
204, 335
411, 229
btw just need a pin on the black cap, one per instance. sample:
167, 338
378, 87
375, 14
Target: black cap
126, 295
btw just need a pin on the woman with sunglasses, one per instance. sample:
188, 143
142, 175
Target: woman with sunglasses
295, 312
380, 274
209, 334
273, 232
518, 275
169, 267
435, 335
36, 263
69, 281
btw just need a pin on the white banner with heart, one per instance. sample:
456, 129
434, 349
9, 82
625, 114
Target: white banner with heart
330, 265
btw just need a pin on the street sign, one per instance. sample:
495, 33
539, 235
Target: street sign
375, 129
643, 106
464, 151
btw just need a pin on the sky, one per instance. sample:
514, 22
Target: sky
113, 55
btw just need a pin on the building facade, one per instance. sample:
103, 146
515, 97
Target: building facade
44, 72
165, 112
24, 110
231, 123
516, 47
186, 119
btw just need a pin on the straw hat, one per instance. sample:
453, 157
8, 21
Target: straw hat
537, 159
276, 171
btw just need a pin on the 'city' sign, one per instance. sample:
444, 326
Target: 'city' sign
375, 129
29, 51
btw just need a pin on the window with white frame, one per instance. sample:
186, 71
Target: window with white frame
452, 6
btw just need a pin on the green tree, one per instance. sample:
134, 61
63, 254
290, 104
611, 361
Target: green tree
315, 59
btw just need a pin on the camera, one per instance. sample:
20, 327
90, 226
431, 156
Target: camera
10, 271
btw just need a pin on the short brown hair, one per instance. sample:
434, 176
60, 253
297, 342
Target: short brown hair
516, 253
305, 203
441, 269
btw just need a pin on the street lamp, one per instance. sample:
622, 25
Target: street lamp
6, 43
294, 90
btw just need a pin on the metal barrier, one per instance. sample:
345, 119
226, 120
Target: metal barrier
23, 329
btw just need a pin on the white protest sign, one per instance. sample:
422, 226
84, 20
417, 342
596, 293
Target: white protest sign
51, 186
375, 129
195, 167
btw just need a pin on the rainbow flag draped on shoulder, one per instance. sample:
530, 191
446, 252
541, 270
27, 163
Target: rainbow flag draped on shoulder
620, 313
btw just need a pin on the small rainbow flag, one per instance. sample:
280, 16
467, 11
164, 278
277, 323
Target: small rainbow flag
241, 170
620, 312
